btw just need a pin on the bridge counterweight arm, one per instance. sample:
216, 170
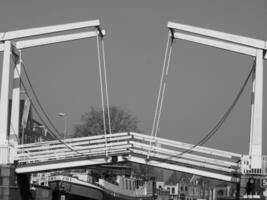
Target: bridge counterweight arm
244, 45
47, 29
259, 44
217, 43
56, 39
230, 42
11, 42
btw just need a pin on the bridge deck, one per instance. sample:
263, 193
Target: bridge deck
133, 147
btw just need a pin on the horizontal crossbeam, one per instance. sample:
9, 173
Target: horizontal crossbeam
226, 41
47, 30
217, 43
53, 40
259, 44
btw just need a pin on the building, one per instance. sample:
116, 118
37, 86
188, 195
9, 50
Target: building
191, 187
30, 130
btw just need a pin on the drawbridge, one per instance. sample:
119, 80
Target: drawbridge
127, 147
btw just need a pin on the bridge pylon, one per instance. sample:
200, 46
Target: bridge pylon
11, 44
253, 166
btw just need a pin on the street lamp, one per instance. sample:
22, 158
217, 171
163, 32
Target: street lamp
65, 116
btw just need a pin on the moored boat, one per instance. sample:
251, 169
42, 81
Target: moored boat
118, 187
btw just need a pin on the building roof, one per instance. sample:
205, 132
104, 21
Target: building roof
177, 177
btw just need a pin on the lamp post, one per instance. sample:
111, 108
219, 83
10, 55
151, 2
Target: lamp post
65, 116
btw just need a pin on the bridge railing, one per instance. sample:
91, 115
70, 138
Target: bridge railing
132, 147
171, 151
73, 148
247, 169
136, 143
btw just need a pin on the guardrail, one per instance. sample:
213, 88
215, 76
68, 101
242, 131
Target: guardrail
73, 148
133, 147
136, 143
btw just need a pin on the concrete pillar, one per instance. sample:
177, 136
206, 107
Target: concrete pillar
13, 186
8, 187
255, 186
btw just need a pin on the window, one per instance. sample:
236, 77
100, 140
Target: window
182, 188
173, 190
185, 188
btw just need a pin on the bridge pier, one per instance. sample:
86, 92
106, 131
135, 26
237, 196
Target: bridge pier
12, 185
251, 187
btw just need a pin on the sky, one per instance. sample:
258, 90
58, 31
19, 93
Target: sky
202, 82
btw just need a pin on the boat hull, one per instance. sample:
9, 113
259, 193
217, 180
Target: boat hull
71, 191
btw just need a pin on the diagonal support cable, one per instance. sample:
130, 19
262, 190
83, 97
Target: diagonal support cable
162, 88
221, 121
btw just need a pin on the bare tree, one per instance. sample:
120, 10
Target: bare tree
92, 122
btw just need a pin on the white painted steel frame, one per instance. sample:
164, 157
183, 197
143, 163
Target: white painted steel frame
217, 44
55, 39
5, 91
256, 122
9, 46
243, 45
226, 41
15, 108
10, 35
258, 44
23, 44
